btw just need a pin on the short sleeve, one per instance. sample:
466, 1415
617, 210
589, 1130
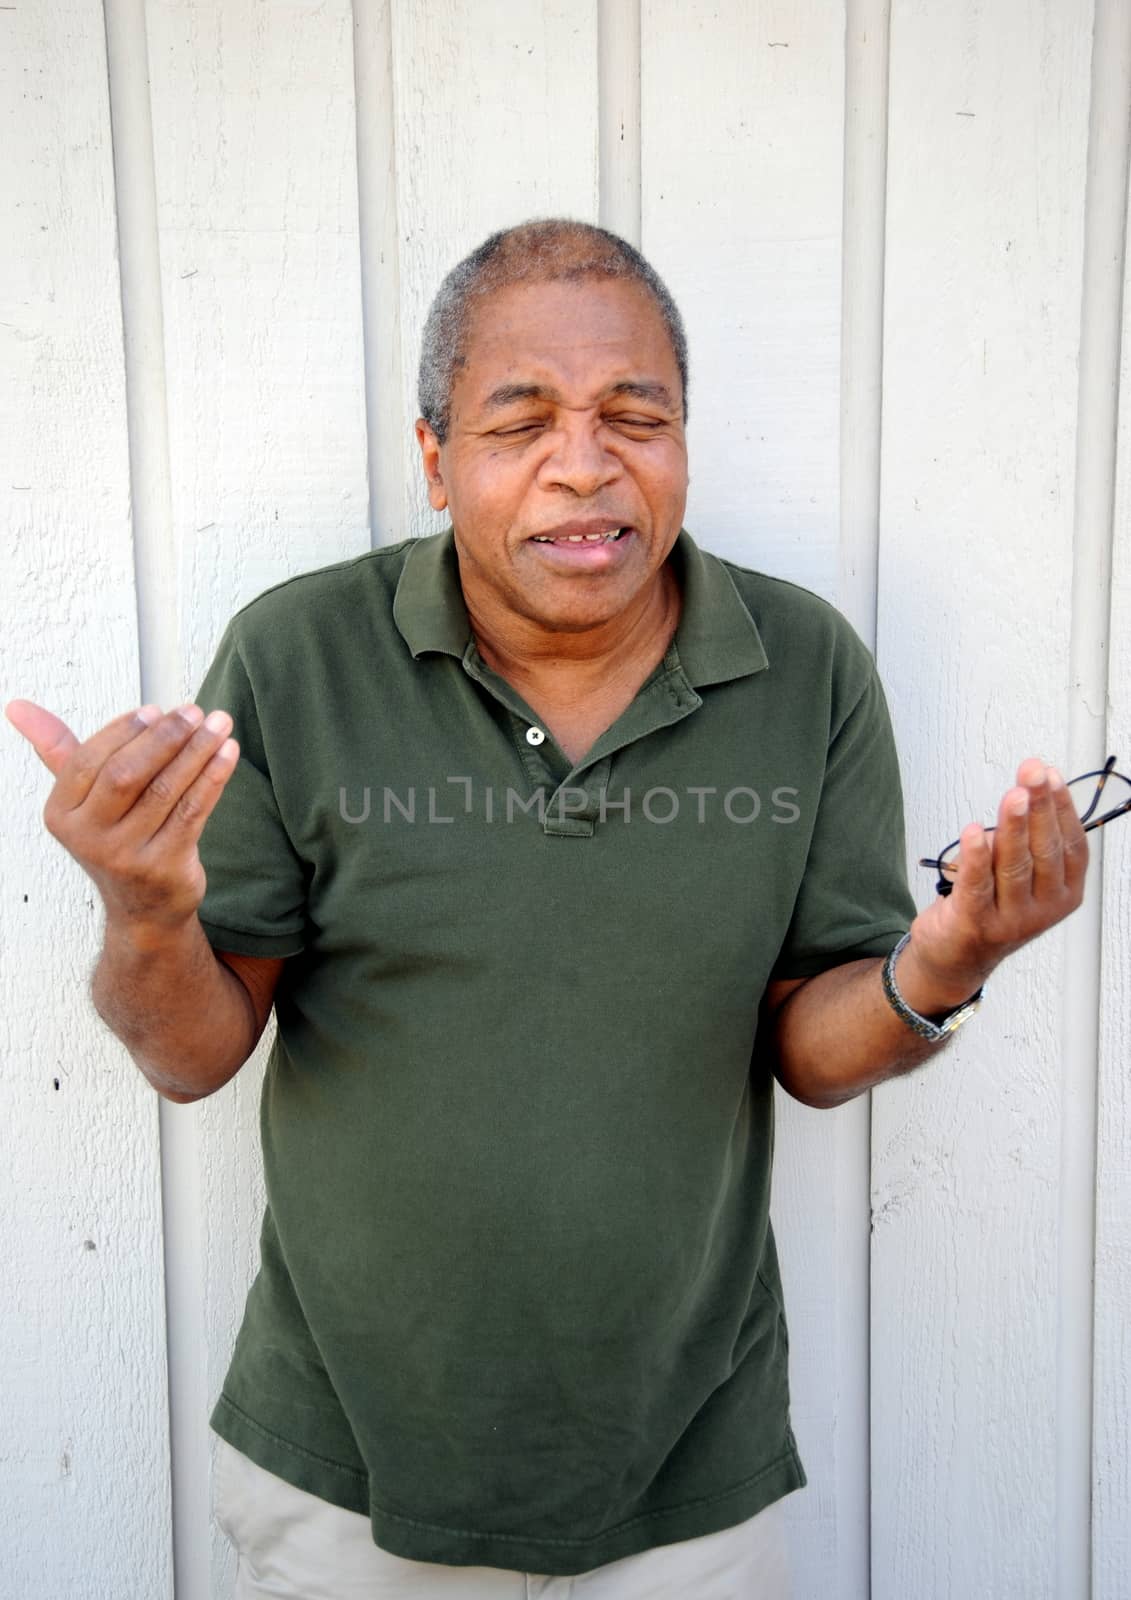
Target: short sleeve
853, 900
255, 900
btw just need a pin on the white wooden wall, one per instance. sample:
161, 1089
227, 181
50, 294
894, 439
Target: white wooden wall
896, 228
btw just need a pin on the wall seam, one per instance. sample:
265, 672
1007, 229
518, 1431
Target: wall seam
618, 118
379, 250
867, 37
161, 672
1105, 215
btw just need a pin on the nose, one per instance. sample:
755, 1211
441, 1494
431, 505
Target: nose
578, 462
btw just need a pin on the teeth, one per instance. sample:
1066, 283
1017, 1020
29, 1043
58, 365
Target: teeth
579, 538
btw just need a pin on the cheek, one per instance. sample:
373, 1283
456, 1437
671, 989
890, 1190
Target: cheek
502, 478
485, 494
665, 480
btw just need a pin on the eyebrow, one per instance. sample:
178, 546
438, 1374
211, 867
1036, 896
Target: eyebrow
634, 388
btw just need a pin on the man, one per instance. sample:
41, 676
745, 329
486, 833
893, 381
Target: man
551, 840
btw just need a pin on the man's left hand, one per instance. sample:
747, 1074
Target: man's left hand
1013, 882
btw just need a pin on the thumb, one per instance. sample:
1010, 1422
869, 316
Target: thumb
47, 734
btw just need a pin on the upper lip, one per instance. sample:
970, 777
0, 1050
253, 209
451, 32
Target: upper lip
581, 525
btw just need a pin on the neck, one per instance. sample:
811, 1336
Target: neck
567, 661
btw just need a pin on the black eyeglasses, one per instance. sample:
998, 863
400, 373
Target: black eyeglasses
946, 863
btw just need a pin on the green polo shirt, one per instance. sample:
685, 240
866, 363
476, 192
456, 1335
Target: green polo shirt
519, 1301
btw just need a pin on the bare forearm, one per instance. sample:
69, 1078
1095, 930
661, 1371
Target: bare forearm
184, 1016
837, 1034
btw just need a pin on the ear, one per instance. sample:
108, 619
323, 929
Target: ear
430, 460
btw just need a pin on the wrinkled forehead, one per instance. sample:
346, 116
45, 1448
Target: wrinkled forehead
571, 326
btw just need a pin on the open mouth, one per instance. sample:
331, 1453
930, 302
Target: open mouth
580, 538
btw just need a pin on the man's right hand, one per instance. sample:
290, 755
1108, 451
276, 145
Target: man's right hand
130, 802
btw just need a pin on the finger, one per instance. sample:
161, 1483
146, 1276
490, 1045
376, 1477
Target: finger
170, 783
127, 770
1074, 839
973, 890
185, 822
1013, 863
76, 775
1046, 846
47, 734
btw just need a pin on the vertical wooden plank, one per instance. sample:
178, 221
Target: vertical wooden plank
257, 206
84, 1475
986, 178
496, 122
1111, 1474
256, 179
742, 122
742, 114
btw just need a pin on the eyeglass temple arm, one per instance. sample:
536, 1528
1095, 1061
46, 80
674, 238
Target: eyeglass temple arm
1103, 775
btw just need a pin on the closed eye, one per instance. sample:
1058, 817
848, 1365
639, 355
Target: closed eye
516, 430
643, 424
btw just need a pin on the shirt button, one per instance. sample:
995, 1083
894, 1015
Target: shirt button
535, 736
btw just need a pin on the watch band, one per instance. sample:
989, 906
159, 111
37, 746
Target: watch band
923, 1026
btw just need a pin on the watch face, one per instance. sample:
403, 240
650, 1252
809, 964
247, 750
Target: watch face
959, 1017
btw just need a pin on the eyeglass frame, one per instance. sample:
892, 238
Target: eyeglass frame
945, 886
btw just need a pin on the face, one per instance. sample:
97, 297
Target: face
565, 467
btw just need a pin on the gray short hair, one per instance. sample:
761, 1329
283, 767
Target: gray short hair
544, 251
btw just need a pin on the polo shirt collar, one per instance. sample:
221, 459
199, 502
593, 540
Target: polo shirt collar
716, 640
428, 606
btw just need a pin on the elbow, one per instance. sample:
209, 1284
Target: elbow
179, 1093
180, 1097
810, 1091
181, 1090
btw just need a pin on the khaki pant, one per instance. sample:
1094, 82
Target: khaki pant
294, 1546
